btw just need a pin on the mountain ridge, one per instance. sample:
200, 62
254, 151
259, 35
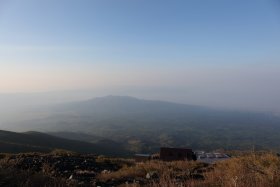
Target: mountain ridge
145, 125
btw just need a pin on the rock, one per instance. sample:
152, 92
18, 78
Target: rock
152, 175
105, 171
148, 176
71, 177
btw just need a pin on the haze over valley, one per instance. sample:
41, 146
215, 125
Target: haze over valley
140, 93
140, 125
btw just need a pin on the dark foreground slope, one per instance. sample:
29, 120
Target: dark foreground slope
11, 142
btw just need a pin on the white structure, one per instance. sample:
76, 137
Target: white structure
210, 157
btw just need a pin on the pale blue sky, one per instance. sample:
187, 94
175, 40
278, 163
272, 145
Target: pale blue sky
133, 31
200, 46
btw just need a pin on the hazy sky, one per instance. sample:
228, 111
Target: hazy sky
218, 52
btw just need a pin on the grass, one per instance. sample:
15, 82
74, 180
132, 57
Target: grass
247, 171
252, 170
243, 170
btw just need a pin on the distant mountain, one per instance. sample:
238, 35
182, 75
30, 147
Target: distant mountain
144, 125
12, 142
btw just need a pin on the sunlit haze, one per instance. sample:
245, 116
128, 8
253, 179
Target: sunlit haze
213, 53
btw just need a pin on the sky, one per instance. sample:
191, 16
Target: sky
217, 53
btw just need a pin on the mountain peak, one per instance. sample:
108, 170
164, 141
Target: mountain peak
115, 97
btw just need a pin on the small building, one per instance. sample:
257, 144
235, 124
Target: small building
172, 154
142, 157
